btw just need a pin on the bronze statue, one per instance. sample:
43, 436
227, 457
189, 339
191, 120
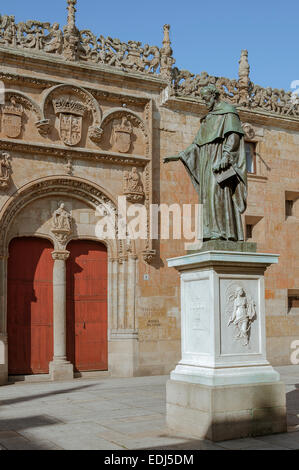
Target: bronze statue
216, 163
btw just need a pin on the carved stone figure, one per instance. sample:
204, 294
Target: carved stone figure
242, 312
133, 187
71, 117
54, 41
122, 135
216, 163
12, 118
62, 218
61, 226
5, 170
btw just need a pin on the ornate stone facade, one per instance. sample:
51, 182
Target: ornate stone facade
103, 137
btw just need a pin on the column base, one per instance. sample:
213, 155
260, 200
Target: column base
61, 370
224, 413
225, 376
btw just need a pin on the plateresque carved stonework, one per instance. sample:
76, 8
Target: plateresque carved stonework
133, 187
61, 226
12, 118
71, 115
241, 310
122, 136
5, 170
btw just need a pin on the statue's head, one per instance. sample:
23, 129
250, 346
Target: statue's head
240, 292
210, 95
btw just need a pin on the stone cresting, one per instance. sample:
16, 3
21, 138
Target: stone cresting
85, 47
242, 93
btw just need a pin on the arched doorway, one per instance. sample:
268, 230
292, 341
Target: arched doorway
30, 306
87, 317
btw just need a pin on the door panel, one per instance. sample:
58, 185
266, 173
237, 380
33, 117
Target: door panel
30, 306
87, 344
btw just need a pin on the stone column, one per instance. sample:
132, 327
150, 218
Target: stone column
122, 294
60, 368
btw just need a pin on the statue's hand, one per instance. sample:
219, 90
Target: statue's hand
225, 163
171, 159
216, 168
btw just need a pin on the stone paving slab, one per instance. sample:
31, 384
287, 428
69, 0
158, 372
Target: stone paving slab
114, 414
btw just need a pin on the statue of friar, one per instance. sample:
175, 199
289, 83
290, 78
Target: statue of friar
216, 163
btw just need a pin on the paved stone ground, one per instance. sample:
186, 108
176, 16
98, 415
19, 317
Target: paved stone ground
114, 414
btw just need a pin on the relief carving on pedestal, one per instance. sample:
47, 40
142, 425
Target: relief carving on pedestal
5, 170
133, 187
241, 309
61, 226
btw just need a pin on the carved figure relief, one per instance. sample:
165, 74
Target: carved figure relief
61, 225
122, 136
71, 118
249, 130
5, 170
12, 118
242, 313
133, 187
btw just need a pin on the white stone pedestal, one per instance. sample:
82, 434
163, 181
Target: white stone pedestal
224, 387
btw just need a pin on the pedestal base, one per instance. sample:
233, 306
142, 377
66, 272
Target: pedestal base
223, 413
63, 370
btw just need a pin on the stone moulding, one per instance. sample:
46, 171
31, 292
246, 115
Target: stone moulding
69, 153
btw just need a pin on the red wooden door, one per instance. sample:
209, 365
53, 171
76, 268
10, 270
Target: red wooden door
87, 343
30, 306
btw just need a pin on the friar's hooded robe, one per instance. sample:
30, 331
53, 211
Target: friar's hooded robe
220, 134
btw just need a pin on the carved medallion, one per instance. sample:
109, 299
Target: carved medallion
123, 136
71, 118
12, 119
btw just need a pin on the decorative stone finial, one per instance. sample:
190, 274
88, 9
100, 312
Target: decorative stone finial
167, 60
244, 80
71, 33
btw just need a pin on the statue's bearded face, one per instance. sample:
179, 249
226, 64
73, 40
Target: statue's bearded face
209, 98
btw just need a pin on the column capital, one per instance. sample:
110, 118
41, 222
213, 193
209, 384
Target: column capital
61, 255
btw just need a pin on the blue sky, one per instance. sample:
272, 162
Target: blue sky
206, 35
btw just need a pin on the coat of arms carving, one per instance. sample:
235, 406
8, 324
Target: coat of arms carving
122, 136
12, 119
71, 115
